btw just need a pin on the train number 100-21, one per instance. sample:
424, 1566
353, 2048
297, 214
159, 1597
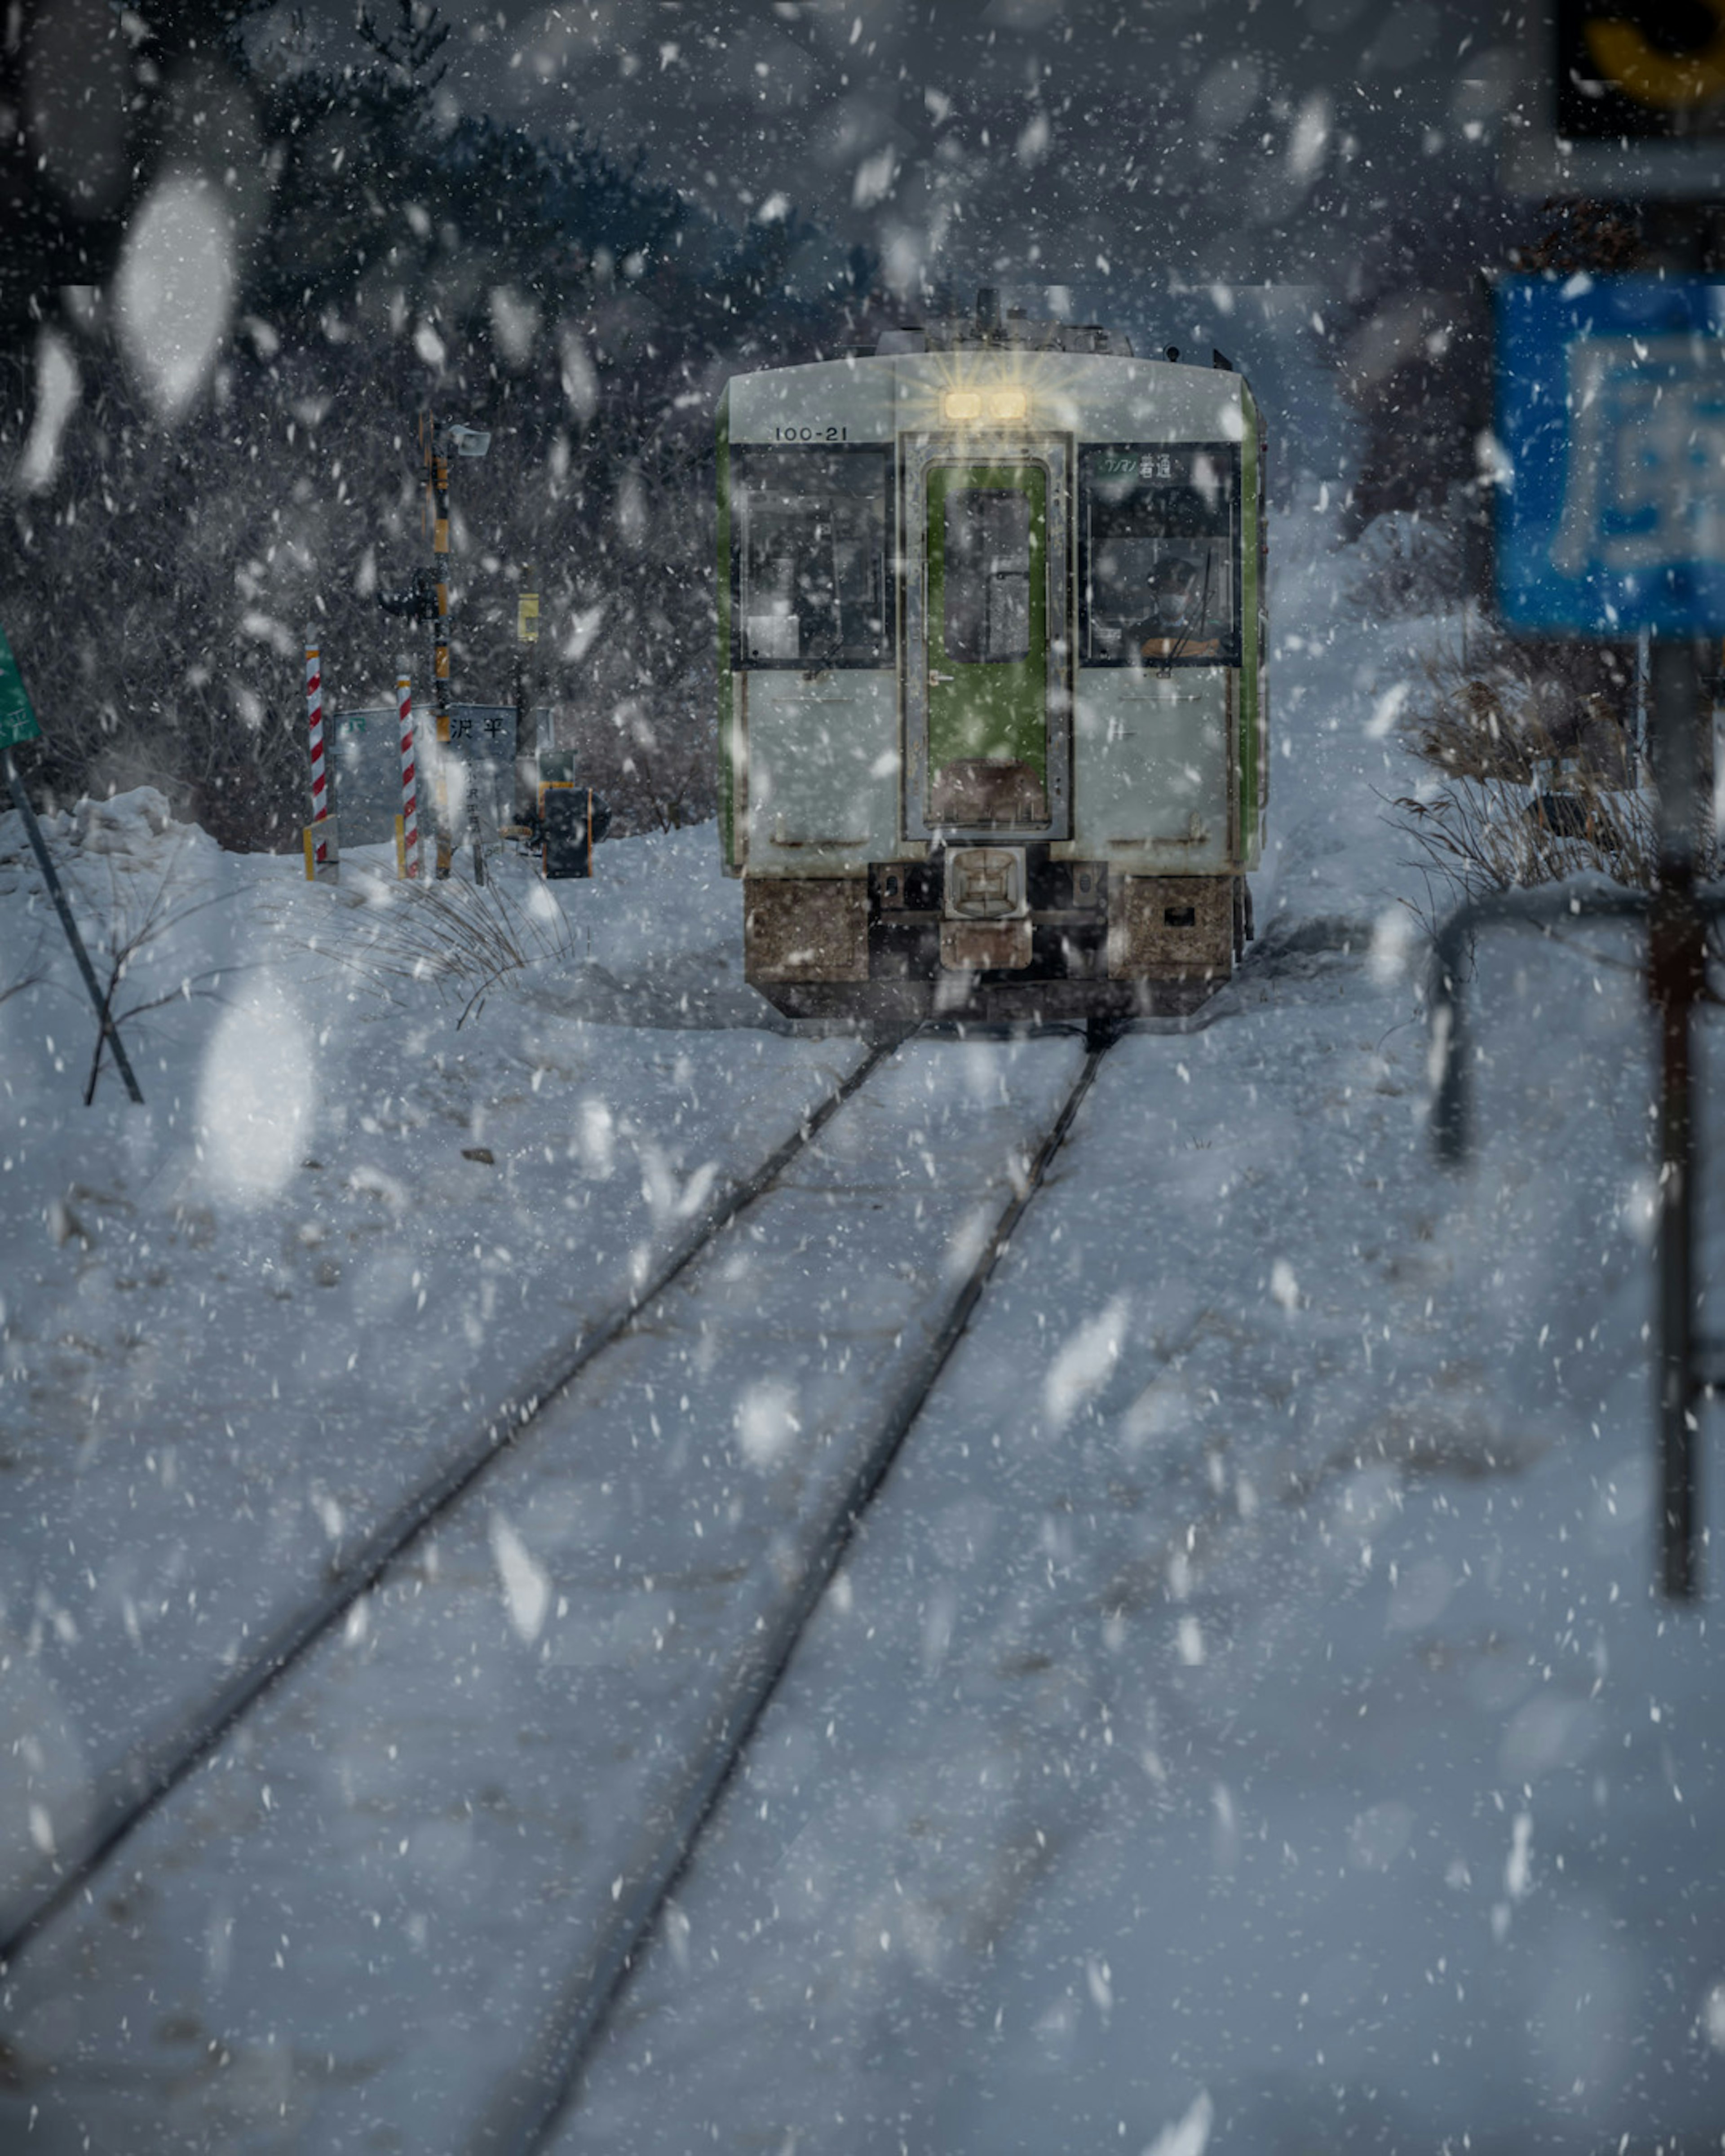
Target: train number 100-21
811, 433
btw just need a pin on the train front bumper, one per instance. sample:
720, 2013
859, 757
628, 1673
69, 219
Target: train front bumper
1006, 932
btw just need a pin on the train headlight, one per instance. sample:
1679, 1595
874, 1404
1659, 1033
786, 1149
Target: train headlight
1000, 406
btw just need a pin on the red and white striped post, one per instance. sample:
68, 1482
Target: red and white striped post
313, 720
409, 777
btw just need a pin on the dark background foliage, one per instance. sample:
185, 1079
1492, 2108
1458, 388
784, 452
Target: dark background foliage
157, 587
400, 248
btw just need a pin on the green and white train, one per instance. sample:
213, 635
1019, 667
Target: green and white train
994, 721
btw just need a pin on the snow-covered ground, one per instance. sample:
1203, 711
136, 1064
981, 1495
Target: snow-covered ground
1245, 1726
343, 1234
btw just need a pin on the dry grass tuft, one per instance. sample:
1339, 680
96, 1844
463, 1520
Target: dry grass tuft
1538, 779
466, 939
1479, 834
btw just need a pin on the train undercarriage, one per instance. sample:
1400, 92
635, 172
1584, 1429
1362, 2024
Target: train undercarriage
996, 934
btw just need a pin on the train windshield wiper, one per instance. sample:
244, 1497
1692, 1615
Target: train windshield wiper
1175, 646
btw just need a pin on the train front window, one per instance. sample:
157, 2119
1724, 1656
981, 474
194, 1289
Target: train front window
1159, 538
810, 587
986, 575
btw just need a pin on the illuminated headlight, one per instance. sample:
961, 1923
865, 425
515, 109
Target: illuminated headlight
1000, 406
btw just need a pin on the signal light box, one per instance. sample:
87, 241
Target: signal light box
1610, 427
1637, 73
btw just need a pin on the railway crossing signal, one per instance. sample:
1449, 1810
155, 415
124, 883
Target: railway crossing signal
527, 727
1625, 101
418, 602
426, 600
1640, 73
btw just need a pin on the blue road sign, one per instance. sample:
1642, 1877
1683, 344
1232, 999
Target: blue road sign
1610, 421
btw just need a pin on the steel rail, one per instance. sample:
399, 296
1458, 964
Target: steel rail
155, 1768
526, 2113
1545, 910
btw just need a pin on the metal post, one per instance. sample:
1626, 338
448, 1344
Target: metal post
438, 463
1676, 961
1676, 964
105, 1016
526, 720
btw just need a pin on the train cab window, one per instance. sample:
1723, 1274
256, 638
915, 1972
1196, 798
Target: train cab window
1159, 555
809, 583
987, 578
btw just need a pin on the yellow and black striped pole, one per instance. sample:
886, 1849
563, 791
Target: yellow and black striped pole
526, 722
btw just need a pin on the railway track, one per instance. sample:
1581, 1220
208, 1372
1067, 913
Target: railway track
531, 2110
152, 1772
729, 1638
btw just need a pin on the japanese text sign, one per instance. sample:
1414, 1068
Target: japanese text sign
1610, 429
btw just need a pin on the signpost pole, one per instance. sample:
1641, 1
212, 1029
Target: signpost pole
1676, 962
105, 1017
1608, 418
527, 732
1677, 973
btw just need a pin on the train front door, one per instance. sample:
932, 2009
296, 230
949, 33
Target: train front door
987, 724
988, 646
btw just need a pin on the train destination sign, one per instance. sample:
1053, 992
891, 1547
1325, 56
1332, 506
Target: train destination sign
1610, 427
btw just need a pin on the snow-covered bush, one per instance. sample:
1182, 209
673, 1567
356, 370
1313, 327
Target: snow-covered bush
1536, 775
162, 565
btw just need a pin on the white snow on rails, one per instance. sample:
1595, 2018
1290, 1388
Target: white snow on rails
131, 1788
614, 1594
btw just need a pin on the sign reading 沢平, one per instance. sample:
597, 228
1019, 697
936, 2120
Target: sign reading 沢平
1611, 431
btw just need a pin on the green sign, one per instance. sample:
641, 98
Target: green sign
17, 722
